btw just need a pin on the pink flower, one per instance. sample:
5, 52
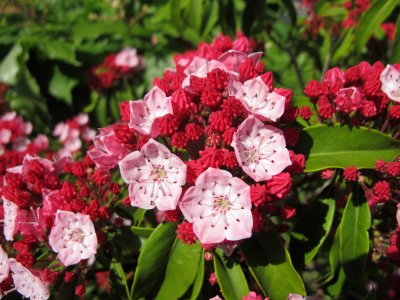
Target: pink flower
128, 58
398, 214
155, 176
252, 296
143, 112
233, 58
107, 151
348, 100
73, 237
260, 149
27, 284
10, 215
256, 98
390, 78
199, 67
219, 207
4, 265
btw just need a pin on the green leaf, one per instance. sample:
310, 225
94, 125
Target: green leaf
143, 232
10, 66
270, 264
153, 259
371, 19
312, 228
198, 283
395, 58
334, 256
61, 85
343, 146
59, 50
354, 238
184, 259
118, 284
344, 45
230, 276
101, 111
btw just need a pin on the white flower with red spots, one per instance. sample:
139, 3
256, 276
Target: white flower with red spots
219, 207
260, 149
390, 79
155, 176
4, 265
73, 237
257, 99
143, 112
27, 284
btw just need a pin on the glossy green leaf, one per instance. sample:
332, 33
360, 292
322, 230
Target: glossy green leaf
312, 228
271, 266
59, 50
118, 284
230, 276
198, 283
61, 85
354, 237
184, 259
143, 232
371, 19
153, 259
395, 58
341, 146
11, 65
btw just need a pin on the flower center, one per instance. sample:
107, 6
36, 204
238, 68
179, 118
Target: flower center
222, 204
252, 155
160, 172
77, 235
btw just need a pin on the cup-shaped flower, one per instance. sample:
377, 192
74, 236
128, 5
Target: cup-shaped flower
128, 58
155, 176
260, 149
257, 99
219, 207
4, 265
143, 112
73, 237
107, 151
390, 78
27, 284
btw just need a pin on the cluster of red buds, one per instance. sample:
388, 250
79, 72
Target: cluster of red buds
115, 66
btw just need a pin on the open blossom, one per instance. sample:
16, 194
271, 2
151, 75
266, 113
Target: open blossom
73, 237
258, 100
27, 284
219, 207
143, 112
107, 151
260, 149
155, 176
4, 265
390, 79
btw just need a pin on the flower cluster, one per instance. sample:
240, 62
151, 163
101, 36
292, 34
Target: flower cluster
72, 133
210, 142
15, 142
114, 67
361, 95
54, 211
